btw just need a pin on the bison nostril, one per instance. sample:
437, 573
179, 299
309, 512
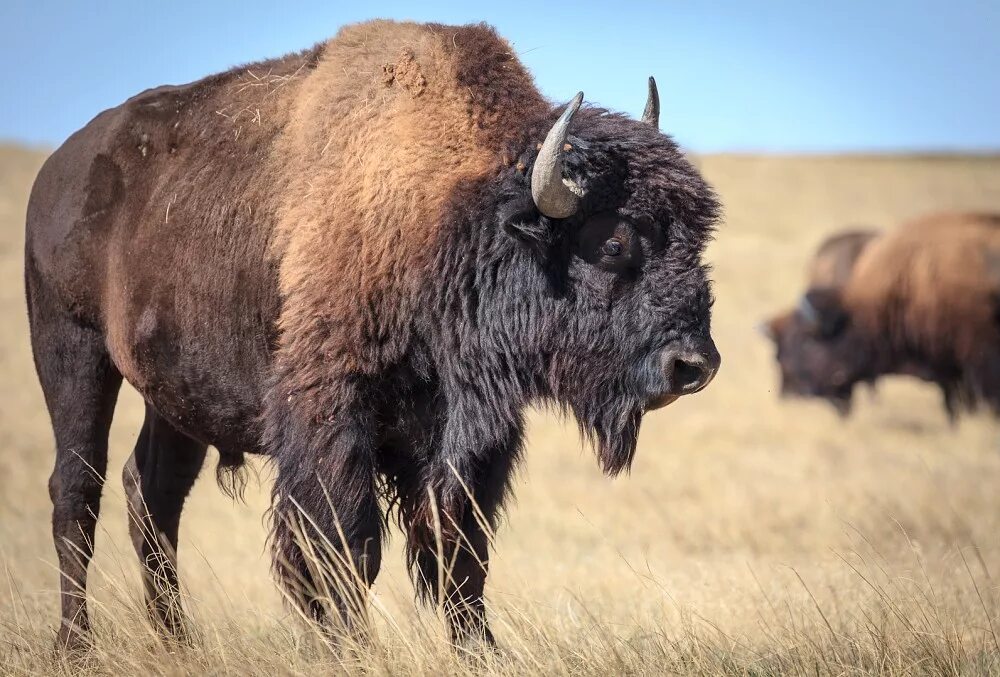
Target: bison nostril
689, 371
689, 374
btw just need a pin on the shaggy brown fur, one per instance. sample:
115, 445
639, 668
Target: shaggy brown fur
360, 217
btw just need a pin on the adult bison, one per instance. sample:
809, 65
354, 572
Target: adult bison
830, 267
362, 260
921, 300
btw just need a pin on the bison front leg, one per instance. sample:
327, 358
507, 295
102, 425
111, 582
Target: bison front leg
327, 526
452, 572
451, 531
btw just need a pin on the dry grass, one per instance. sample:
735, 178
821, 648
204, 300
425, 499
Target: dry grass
752, 537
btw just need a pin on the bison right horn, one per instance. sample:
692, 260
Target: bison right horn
556, 197
651, 115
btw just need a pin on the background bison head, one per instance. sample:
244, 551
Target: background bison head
600, 290
819, 352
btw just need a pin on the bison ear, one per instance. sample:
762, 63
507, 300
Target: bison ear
521, 220
823, 309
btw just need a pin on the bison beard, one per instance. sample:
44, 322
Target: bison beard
363, 285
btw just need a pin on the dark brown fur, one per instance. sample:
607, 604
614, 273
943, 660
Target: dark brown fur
334, 259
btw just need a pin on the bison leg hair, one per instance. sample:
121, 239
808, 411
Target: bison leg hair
157, 477
81, 387
327, 525
456, 580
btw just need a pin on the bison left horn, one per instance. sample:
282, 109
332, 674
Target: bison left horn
651, 114
807, 310
555, 196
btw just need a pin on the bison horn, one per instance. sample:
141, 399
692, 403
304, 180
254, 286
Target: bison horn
555, 196
651, 114
807, 310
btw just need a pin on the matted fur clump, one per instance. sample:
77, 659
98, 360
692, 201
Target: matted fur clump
347, 259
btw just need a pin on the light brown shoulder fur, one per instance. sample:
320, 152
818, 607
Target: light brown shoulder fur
932, 282
393, 118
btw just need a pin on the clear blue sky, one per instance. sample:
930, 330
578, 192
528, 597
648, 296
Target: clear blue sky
771, 75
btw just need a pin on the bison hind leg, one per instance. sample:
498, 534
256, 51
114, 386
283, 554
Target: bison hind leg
80, 384
157, 477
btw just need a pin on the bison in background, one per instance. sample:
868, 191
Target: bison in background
364, 261
921, 300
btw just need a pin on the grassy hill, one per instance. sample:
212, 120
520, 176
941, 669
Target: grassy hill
753, 535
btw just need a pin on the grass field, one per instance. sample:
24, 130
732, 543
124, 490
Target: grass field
753, 536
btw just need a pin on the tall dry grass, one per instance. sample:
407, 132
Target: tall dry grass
752, 537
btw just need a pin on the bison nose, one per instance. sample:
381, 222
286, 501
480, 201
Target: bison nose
689, 370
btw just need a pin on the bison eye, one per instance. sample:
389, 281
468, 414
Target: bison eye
613, 247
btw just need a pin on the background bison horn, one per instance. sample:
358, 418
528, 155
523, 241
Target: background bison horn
651, 114
807, 310
555, 196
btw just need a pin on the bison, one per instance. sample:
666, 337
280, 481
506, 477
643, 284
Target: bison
362, 261
921, 300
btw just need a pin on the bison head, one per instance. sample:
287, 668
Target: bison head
819, 352
598, 282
